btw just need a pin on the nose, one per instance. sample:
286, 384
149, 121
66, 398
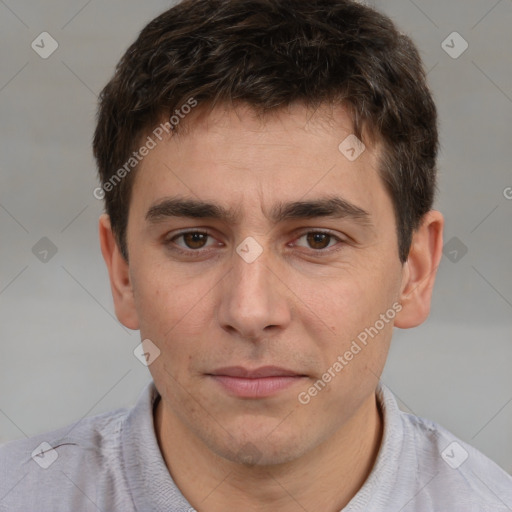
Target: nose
253, 300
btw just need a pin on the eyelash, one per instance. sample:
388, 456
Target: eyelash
197, 252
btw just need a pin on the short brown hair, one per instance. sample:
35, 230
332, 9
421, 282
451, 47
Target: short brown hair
269, 54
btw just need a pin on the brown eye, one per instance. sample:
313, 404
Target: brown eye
318, 240
195, 239
190, 240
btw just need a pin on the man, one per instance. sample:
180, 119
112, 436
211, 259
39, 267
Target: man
268, 169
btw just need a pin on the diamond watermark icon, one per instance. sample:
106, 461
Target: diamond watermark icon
351, 147
249, 250
454, 455
146, 352
454, 45
44, 45
44, 250
45, 455
455, 249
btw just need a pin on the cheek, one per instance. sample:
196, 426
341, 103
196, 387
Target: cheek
170, 305
172, 316
342, 317
342, 305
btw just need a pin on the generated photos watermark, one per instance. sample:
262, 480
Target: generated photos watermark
355, 348
144, 150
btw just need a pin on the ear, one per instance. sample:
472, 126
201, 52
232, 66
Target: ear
419, 271
118, 271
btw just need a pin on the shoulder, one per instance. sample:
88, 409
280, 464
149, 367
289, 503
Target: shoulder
454, 473
60, 466
423, 466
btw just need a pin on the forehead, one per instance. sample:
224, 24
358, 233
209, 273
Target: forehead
245, 161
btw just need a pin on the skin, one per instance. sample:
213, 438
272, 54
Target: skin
291, 307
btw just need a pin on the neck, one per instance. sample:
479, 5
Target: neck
324, 479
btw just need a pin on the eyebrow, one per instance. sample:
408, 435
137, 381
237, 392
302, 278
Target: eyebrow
332, 206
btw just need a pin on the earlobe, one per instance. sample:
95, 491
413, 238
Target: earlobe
420, 270
118, 270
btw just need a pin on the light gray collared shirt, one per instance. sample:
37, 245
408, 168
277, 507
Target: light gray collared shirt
112, 462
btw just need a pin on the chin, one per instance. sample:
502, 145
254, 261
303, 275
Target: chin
256, 448
253, 455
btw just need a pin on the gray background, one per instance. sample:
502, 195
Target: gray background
65, 356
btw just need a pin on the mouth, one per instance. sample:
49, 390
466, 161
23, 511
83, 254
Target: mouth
257, 383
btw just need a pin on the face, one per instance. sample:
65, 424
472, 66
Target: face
253, 303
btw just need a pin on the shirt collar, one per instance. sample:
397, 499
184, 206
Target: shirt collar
151, 485
383, 476
153, 489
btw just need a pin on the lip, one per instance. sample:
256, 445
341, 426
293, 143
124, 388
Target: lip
257, 373
256, 383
